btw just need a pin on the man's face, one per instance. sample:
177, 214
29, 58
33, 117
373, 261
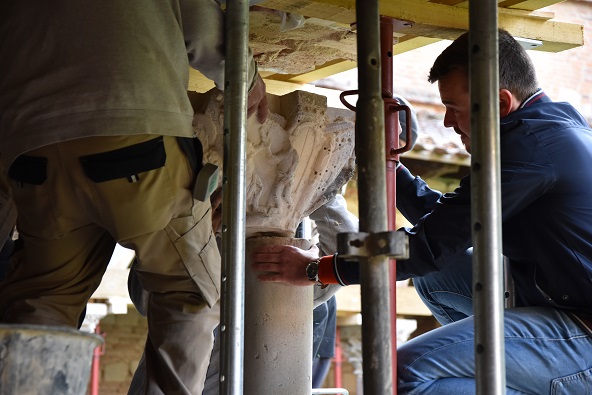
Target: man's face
454, 93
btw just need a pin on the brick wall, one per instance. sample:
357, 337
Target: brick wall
125, 335
565, 76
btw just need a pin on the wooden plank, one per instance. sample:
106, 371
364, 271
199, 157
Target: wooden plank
330, 68
443, 21
281, 88
409, 42
527, 4
447, 2
199, 83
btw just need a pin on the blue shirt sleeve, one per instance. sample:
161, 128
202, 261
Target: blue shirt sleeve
442, 228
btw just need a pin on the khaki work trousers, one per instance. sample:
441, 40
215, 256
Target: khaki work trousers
70, 224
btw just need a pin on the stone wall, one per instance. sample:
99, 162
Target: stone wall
566, 76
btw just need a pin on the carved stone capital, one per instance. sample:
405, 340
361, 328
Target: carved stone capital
296, 161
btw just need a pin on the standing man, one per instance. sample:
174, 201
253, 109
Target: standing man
546, 151
95, 131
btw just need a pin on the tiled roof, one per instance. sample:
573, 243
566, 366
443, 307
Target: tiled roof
434, 142
437, 143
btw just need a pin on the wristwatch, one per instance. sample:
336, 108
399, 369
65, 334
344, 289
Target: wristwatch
312, 272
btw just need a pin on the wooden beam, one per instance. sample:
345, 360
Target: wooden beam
441, 21
409, 42
448, 2
330, 68
281, 88
199, 83
527, 4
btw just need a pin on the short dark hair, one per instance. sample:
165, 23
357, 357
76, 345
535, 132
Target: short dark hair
516, 71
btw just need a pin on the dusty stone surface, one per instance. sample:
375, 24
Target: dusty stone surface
298, 50
277, 328
296, 161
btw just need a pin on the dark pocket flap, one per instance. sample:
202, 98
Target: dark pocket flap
125, 162
29, 170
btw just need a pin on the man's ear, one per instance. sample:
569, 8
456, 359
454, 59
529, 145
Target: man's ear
508, 102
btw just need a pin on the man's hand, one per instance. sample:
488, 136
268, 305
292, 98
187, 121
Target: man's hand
257, 100
285, 264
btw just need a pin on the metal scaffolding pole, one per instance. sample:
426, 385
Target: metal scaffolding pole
374, 270
231, 329
486, 198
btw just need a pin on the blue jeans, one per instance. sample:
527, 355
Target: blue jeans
448, 293
545, 351
323, 342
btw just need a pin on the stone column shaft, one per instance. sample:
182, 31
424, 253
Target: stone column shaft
278, 331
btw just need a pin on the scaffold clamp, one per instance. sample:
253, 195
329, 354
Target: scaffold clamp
394, 244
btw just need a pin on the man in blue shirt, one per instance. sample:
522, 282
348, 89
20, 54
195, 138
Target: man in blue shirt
546, 151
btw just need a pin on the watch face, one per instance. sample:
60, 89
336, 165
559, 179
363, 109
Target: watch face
312, 271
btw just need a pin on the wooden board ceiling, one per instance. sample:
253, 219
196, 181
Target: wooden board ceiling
325, 45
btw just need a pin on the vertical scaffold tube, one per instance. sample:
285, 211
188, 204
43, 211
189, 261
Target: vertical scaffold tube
486, 199
391, 141
370, 146
231, 328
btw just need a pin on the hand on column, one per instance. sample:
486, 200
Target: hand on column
287, 264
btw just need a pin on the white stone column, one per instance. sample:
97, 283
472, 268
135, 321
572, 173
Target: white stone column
296, 161
278, 331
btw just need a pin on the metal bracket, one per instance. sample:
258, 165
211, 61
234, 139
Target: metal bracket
394, 244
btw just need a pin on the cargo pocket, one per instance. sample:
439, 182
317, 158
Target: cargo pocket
199, 252
579, 383
32, 190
